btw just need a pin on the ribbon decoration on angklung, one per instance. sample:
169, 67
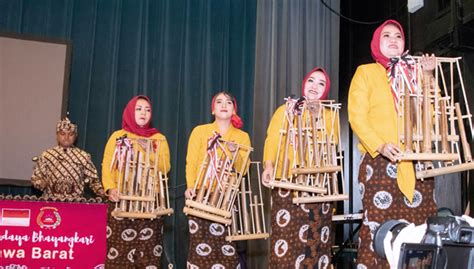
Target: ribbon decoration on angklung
402, 71
122, 145
213, 144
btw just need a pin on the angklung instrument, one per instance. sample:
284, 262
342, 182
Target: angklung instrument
142, 186
248, 221
218, 182
312, 161
431, 123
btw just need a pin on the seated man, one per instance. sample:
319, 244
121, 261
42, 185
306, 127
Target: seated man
61, 172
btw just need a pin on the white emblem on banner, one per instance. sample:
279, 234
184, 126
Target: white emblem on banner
203, 249
283, 192
216, 229
130, 255
129, 234
382, 200
145, 234
113, 253
303, 233
158, 250
369, 172
218, 266
283, 217
108, 231
392, 170
193, 226
417, 199
151, 267
228, 250
361, 190
325, 234
361, 266
298, 261
323, 262
281, 247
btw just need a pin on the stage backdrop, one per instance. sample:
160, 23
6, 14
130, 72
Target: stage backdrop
180, 52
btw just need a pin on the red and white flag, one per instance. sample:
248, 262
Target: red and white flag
15, 217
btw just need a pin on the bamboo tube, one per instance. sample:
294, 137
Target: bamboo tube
408, 124
444, 128
203, 207
257, 216
445, 170
284, 173
315, 140
228, 192
234, 223
319, 199
428, 156
298, 187
247, 237
462, 132
317, 170
205, 215
205, 179
426, 121
243, 198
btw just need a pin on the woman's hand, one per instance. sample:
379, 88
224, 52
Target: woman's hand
113, 195
267, 173
189, 193
389, 151
428, 63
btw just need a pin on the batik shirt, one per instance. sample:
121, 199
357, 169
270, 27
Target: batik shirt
63, 172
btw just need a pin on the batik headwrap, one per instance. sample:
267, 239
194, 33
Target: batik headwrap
66, 125
328, 82
235, 120
128, 119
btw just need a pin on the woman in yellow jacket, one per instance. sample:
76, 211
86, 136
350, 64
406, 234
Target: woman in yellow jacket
387, 187
207, 245
133, 243
301, 235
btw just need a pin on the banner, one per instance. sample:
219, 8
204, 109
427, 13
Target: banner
52, 235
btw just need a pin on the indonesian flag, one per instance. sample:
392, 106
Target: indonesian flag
15, 217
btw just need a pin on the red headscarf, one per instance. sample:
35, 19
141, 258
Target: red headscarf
235, 120
328, 82
375, 43
128, 119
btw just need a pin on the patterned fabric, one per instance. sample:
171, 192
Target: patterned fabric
66, 125
382, 201
301, 235
207, 246
62, 173
320, 237
134, 243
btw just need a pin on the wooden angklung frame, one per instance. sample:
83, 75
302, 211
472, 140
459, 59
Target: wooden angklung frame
431, 124
248, 220
143, 189
312, 131
218, 181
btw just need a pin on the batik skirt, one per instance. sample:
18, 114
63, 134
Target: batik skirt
301, 235
134, 243
382, 200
